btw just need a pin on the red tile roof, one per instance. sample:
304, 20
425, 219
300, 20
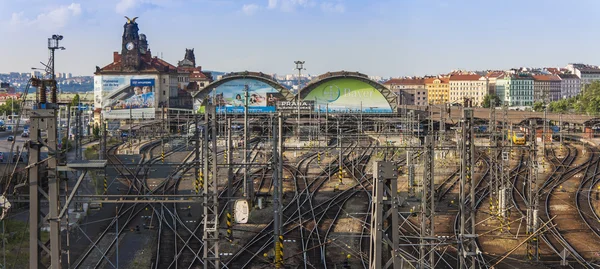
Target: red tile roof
464, 77
494, 74
553, 70
546, 78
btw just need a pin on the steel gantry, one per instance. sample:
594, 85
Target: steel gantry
385, 236
467, 246
210, 236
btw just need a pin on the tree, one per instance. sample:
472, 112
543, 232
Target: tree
96, 131
75, 100
538, 106
487, 99
10, 107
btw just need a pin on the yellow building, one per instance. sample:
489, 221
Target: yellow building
437, 90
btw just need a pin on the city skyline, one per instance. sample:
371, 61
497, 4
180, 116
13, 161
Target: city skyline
383, 38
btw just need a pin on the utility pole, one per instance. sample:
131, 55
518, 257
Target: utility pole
467, 243
210, 236
77, 133
385, 237
532, 194
229, 168
248, 183
162, 135
339, 146
504, 167
43, 118
428, 207
299, 67
276, 163
494, 187
130, 136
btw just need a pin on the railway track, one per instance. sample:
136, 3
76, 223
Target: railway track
125, 213
299, 208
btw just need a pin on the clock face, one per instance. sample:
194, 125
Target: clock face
130, 46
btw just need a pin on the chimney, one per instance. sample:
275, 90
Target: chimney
116, 57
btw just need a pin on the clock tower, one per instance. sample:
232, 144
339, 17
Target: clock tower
130, 50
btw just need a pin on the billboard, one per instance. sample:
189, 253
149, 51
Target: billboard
230, 96
122, 97
348, 95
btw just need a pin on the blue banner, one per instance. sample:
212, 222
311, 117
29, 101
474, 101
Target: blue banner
256, 109
142, 82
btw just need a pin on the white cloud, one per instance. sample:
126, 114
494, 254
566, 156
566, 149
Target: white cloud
272, 4
292, 5
53, 19
250, 9
125, 5
333, 7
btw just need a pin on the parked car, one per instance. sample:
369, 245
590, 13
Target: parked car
25, 134
10, 138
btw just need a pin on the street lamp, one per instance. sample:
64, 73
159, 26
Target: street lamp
299, 67
53, 45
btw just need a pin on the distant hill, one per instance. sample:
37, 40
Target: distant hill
215, 74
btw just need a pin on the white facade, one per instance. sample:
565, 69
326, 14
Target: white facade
587, 73
570, 85
469, 86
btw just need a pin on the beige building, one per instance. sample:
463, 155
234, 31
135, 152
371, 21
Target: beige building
471, 86
437, 90
410, 91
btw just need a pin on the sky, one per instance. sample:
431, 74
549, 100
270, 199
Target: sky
388, 38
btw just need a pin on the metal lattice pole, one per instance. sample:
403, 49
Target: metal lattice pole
210, 236
532, 209
467, 243
385, 236
277, 208
428, 207
44, 119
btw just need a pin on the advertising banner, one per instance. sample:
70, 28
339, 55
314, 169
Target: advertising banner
123, 97
291, 106
230, 96
348, 95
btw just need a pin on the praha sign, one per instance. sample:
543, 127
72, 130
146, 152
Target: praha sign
291, 106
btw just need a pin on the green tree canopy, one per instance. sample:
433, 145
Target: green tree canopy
75, 100
538, 106
10, 107
588, 101
488, 98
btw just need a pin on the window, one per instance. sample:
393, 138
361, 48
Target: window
164, 92
164, 80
